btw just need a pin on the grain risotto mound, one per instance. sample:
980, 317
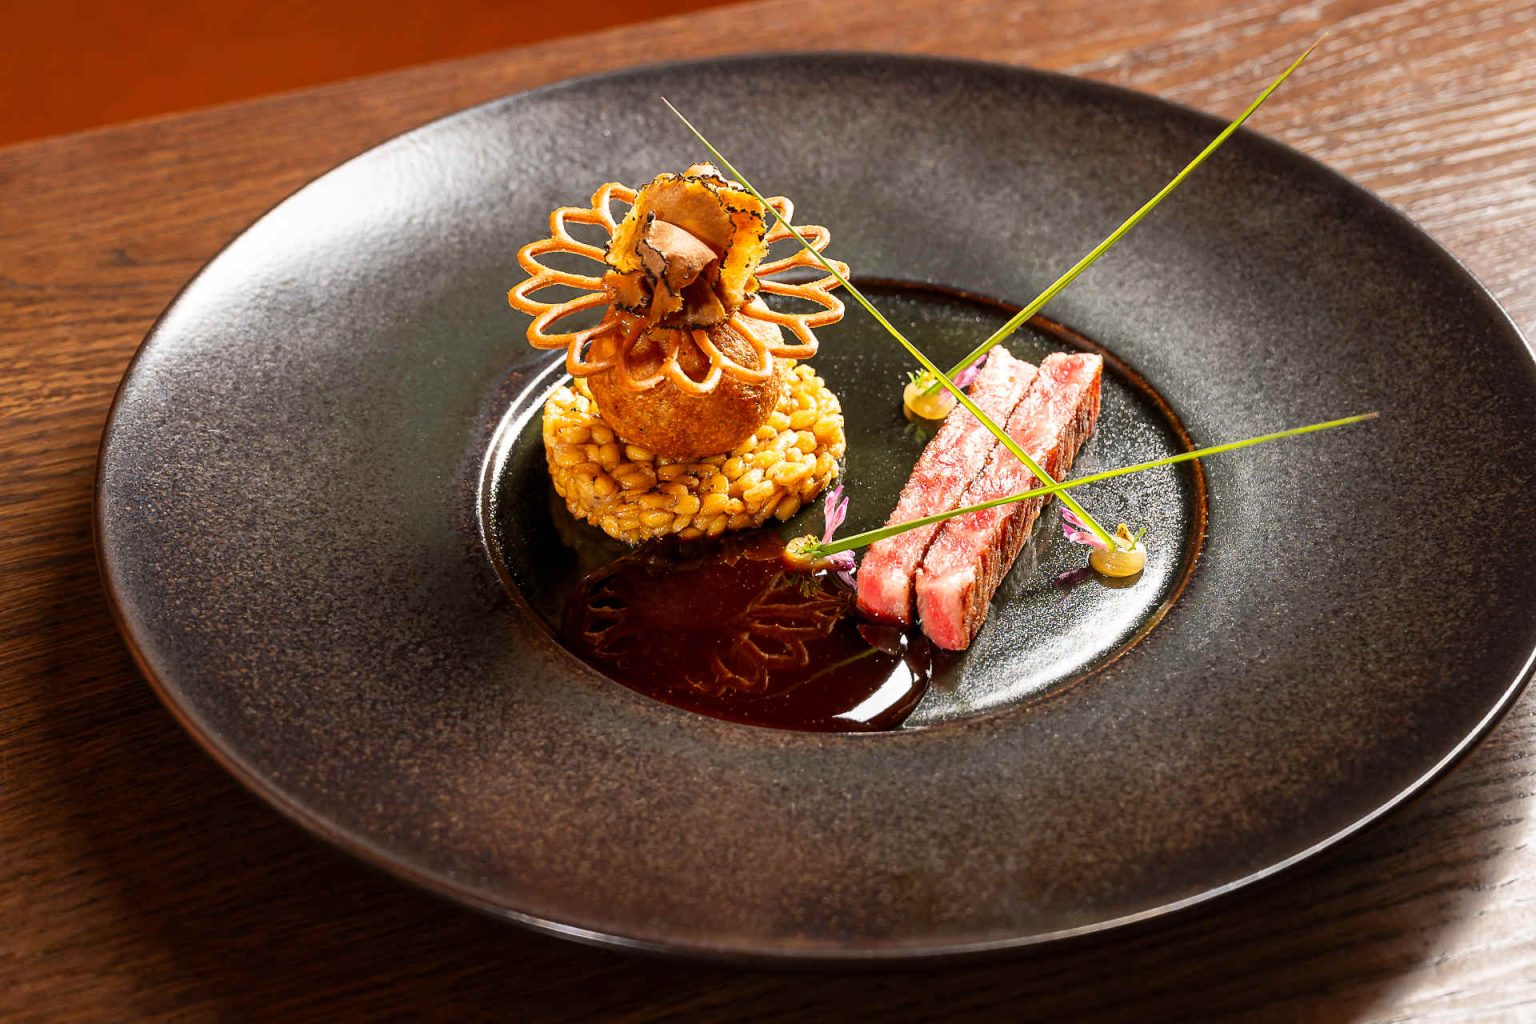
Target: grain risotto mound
633, 496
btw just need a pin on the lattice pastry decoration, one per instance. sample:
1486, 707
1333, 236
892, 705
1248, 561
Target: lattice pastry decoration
685, 259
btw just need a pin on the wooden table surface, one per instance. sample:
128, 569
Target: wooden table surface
138, 881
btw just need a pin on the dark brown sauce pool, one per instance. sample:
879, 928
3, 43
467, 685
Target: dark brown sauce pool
721, 628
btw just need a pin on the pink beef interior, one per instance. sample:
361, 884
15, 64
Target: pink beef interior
970, 554
952, 459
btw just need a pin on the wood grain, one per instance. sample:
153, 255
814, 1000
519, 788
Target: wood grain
126, 61
138, 882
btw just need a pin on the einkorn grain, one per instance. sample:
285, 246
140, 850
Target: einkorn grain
634, 496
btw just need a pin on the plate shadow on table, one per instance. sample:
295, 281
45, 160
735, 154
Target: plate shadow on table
240, 915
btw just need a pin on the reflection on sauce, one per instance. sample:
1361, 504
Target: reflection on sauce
719, 627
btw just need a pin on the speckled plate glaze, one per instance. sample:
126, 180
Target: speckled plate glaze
293, 487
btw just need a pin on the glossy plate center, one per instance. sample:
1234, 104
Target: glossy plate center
1047, 626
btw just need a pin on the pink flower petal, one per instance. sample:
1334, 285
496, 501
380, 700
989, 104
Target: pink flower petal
834, 510
1077, 531
964, 378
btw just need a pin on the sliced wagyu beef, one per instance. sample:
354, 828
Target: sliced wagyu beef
969, 555
947, 466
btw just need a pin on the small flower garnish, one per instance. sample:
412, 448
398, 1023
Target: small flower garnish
923, 399
834, 511
1127, 558
967, 376
803, 554
1078, 533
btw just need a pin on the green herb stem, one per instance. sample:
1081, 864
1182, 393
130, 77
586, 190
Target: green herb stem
960, 396
859, 540
1130, 222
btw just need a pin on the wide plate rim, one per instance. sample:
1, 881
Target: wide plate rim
360, 847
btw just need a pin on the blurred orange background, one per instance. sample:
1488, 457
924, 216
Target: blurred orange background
76, 64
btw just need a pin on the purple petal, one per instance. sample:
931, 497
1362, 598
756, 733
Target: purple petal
965, 377
834, 511
1068, 580
1077, 531
843, 565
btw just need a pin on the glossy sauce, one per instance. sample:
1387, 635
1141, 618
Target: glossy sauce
721, 628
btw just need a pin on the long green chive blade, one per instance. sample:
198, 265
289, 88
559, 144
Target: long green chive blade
859, 540
927, 364
1130, 222
730, 169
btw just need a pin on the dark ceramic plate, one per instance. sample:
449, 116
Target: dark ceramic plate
322, 525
